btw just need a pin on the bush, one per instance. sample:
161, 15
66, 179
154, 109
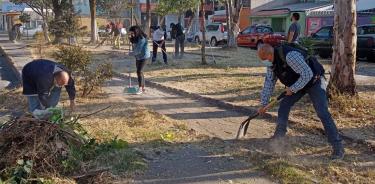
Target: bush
78, 61
308, 44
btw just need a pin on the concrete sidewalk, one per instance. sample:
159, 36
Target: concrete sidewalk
17, 54
192, 163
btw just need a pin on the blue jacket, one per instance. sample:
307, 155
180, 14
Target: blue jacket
141, 50
38, 79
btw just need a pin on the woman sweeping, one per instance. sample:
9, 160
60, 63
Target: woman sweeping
141, 52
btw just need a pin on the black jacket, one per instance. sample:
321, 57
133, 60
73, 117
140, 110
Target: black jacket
38, 79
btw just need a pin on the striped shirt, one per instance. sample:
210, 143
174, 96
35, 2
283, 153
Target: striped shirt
297, 62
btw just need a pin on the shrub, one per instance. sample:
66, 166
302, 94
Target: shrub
308, 44
78, 61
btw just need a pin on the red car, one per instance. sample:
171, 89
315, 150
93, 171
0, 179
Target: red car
254, 35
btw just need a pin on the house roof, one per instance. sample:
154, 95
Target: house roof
285, 10
270, 13
302, 6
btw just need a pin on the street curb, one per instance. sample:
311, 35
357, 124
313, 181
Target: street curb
12, 64
219, 103
240, 109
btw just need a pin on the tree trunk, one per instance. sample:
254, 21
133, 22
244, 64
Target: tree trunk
94, 32
45, 30
227, 15
233, 22
203, 48
58, 12
148, 18
45, 25
344, 49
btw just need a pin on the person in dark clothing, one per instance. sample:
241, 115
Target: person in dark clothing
300, 78
42, 82
141, 52
294, 29
178, 31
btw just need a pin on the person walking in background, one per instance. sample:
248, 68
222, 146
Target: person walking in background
158, 40
294, 29
117, 34
141, 52
178, 31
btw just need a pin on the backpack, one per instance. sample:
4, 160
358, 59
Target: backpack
316, 68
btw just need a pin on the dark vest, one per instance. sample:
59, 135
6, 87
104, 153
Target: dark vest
283, 71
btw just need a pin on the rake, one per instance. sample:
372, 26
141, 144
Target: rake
245, 124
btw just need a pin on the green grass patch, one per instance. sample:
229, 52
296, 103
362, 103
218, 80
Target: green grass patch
285, 172
114, 154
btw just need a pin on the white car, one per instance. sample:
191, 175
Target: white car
31, 31
215, 34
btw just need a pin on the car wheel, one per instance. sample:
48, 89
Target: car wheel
324, 54
213, 41
197, 40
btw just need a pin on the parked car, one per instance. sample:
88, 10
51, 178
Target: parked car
252, 36
215, 33
31, 31
366, 42
323, 42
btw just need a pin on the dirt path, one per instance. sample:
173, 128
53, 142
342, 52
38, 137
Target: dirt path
192, 163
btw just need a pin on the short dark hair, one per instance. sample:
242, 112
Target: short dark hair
296, 16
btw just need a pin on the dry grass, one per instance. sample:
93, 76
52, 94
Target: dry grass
130, 122
239, 79
302, 158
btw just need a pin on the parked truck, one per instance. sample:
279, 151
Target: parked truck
323, 42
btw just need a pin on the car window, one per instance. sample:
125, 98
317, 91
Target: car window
267, 30
324, 32
212, 27
247, 30
259, 29
366, 30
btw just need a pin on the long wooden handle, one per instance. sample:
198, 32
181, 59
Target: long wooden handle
275, 101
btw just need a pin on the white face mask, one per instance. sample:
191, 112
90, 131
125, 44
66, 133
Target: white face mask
267, 63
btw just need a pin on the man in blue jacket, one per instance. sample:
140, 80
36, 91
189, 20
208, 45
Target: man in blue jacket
42, 83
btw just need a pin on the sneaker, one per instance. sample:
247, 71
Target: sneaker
139, 92
338, 153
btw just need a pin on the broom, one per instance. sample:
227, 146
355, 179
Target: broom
245, 124
130, 89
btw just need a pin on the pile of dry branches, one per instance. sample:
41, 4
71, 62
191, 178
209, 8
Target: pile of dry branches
44, 143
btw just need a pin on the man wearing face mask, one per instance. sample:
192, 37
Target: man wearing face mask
300, 78
42, 82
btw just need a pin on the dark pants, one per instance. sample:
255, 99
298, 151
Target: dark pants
155, 46
179, 44
140, 64
318, 97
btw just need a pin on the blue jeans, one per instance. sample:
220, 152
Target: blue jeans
318, 97
53, 100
